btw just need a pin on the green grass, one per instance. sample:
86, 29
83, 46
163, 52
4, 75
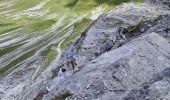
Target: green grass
9, 49
69, 8
79, 27
5, 24
71, 3
139, 1
111, 2
5, 40
5, 21
9, 29
23, 5
40, 25
49, 55
62, 96
10, 66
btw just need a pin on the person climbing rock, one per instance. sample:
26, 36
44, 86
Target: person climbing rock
61, 72
70, 59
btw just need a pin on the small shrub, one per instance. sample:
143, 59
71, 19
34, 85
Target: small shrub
62, 96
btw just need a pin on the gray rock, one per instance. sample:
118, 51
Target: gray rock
159, 89
106, 46
120, 70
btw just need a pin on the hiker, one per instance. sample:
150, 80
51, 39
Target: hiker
61, 72
70, 59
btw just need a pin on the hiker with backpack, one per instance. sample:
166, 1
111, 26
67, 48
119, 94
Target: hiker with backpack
61, 72
70, 59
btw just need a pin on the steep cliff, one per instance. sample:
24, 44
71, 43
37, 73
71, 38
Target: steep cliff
122, 55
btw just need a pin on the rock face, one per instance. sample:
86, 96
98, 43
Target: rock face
156, 89
119, 26
118, 72
119, 58
165, 3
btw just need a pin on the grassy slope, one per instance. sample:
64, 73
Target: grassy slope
55, 10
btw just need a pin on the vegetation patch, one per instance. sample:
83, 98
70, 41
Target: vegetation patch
115, 2
48, 56
72, 3
15, 62
62, 96
39, 25
33, 23
79, 27
135, 30
112, 2
9, 49
8, 29
24, 4
5, 24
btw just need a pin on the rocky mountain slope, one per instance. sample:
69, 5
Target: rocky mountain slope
123, 55
121, 58
33, 33
117, 74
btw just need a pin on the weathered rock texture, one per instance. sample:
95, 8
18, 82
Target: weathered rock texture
120, 71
